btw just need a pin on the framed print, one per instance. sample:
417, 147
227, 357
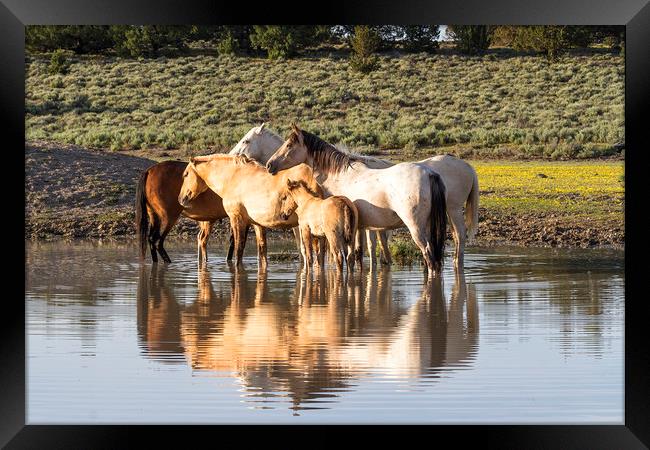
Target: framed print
447, 221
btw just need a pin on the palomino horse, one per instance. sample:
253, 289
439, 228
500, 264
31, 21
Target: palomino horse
250, 195
406, 194
334, 218
260, 144
157, 209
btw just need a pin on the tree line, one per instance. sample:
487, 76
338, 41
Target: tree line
285, 41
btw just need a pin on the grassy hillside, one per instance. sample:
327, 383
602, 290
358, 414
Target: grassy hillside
492, 105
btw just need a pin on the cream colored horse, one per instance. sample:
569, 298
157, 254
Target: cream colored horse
459, 177
250, 195
260, 144
334, 218
406, 194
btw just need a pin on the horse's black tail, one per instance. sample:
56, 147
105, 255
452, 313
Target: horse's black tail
438, 219
141, 216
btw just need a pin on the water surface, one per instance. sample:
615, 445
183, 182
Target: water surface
525, 336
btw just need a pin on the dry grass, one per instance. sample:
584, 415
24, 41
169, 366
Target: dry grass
492, 105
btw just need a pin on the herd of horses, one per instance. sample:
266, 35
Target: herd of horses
335, 201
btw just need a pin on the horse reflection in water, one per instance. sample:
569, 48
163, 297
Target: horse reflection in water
314, 342
158, 317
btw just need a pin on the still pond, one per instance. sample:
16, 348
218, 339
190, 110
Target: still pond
525, 336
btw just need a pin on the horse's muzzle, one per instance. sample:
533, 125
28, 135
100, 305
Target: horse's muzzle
271, 169
184, 200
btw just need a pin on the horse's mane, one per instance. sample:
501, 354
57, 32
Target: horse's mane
359, 157
325, 156
243, 159
302, 184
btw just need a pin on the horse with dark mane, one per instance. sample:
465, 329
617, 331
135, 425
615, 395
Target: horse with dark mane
406, 194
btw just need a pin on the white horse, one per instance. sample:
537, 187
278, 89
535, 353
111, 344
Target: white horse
406, 194
459, 177
260, 144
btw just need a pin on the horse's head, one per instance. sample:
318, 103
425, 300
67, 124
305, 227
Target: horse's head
288, 204
291, 153
258, 144
193, 184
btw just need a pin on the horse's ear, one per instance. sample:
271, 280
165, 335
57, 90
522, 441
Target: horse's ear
298, 132
261, 127
192, 160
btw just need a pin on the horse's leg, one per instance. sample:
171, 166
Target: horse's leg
305, 233
166, 224
349, 256
317, 248
199, 248
152, 247
161, 247
359, 243
202, 241
372, 248
260, 234
301, 250
459, 233
384, 253
240, 232
231, 246
321, 252
153, 233
335, 245
419, 233
348, 249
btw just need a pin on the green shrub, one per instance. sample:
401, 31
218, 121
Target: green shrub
404, 251
58, 62
228, 45
550, 40
282, 41
420, 38
148, 40
471, 39
77, 38
364, 44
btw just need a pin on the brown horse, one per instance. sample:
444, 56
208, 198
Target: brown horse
157, 210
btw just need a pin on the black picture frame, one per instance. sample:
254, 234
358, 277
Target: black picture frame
634, 14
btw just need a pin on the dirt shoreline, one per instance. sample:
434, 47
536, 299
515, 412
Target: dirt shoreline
71, 192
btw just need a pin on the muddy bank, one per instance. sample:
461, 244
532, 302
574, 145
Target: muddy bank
71, 192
